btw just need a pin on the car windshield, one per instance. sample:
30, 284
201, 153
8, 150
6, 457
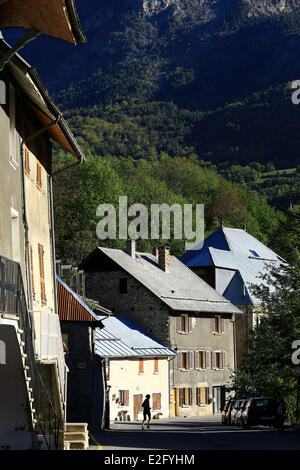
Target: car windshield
262, 402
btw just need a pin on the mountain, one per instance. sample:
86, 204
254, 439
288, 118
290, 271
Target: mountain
200, 54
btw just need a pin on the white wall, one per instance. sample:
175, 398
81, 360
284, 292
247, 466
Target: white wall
124, 375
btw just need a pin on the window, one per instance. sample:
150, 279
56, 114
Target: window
185, 396
42, 274
156, 401
156, 369
184, 324
218, 360
124, 397
185, 360
217, 325
123, 286
31, 270
202, 395
39, 176
141, 366
27, 162
201, 360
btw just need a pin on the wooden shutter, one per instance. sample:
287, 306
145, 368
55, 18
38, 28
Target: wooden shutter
141, 366
27, 162
31, 270
190, 327
223, 360
213, 360
42, 274
190, 392
222, 325
206, 395
212, 324
126, 397
179, 360
207, 355
197, 396
202, 396
156, 401
197, 365
191, 360
39, 176
178, 324
181, 396
156, 365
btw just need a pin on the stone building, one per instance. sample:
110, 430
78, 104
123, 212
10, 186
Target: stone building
231, 261
169, 301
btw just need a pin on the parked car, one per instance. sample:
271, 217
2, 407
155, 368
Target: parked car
259, 411
235, 408
238, 416
226, 412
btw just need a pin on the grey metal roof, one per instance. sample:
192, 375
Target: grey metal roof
122, 338
180, 289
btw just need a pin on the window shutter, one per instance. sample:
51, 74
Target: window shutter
31, 269
155, 365
141, 366
223, 325
42, 274
179, 360
27, 162
213, 360
206, 395
39, 175
196, 359
191, 360
156, 400
190, 396
207, 364
212, 324
223, 360
178, 324
181, 396
190, 324
126, 397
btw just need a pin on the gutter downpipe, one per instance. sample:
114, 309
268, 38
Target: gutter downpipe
25, 222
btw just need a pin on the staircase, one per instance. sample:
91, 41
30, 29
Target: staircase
76, 436
26, 407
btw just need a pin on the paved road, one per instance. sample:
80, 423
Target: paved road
193, 434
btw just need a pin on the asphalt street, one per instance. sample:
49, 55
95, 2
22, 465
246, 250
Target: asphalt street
192, 434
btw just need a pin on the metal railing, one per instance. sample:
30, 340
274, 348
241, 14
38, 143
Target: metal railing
13, 302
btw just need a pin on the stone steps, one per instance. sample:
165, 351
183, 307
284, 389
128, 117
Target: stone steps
76, 436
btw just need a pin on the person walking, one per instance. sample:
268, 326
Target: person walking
146, 411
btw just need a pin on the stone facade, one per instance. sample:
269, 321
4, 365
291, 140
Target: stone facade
141, 306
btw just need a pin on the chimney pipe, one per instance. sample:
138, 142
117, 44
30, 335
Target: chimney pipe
164, 258
130, 248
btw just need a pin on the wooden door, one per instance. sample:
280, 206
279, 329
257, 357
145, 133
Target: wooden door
175, 402
137, 405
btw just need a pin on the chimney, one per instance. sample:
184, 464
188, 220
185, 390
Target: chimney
164, 258
130, 248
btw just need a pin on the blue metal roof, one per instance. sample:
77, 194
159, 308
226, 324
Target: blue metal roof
122, 338
235, 250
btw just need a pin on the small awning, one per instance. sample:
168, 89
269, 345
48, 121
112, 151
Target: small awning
56, 18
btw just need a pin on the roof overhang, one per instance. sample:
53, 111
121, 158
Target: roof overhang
41, 104
55, 18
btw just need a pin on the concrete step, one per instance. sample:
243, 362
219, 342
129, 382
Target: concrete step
76, 436
76, 427
78, 445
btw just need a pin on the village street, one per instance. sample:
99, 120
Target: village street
193, 434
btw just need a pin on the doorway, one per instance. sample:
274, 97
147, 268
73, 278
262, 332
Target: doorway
137, 405
219, 398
